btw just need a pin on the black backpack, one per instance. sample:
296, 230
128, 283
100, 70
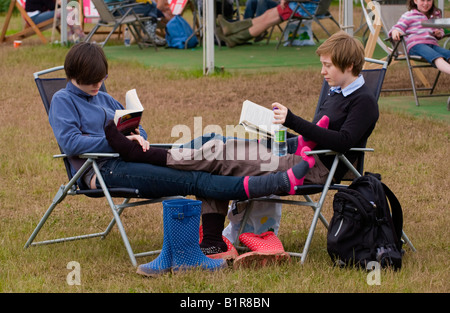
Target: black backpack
366, 225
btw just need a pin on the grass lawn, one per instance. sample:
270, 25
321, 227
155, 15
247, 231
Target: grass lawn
411, 153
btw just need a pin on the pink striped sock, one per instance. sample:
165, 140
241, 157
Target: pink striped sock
297, 173
246, 178
323, 122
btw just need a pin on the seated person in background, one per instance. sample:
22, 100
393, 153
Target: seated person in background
240, 32
148, 8
421, 40
42, 10
255, 8
163, 7
226, 5
344, 119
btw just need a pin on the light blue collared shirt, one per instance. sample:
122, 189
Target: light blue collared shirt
357, 83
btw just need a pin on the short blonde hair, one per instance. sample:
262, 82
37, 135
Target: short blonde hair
344, 51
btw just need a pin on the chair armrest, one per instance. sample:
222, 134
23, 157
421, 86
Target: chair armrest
90, 155
165, 145
328, 151
119, 3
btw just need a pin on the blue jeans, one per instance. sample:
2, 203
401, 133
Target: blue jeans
41, 17
156, 181
254, 8
430, 52
146, 9
198, 142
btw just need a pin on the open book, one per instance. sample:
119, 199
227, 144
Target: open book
257, 119
128, 120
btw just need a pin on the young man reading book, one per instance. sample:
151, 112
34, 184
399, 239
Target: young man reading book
345, 119
79, 113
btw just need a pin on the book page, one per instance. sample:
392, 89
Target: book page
132, 101
256, 118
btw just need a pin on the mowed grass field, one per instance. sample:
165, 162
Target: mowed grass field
411, 153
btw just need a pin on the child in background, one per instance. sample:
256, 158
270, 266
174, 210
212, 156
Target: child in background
421, 40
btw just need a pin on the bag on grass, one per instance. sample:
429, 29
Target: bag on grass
178, 32
265, 216
366, 225
303, 36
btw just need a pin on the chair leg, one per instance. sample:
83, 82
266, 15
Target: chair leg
312, 228
435, 82
109, 35
60, 195
413, 83
408, 242
323, 27
116, 215
91, 33
411, 75
113, 221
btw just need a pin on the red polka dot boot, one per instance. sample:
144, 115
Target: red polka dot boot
266, 249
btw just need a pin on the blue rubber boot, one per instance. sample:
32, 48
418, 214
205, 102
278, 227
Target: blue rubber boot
183, 225
163, 263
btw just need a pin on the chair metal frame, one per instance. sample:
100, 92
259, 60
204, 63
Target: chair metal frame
321, 12
72, 188
307, 190
125, 16
397, 50
292, 18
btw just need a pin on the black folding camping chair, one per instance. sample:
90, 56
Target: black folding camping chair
74, 187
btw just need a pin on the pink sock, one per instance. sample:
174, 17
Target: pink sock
323, 122
297, 173
246, 178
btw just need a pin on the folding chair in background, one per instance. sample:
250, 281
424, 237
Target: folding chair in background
120, 14
30, 28
374, 79
197, 22
380, 17
47, 87
323, 13
295, 20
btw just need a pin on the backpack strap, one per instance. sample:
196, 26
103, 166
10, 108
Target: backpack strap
396, 211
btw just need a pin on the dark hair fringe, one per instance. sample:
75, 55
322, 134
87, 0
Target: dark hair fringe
86, 63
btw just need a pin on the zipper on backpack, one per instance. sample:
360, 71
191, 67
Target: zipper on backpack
339, 228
